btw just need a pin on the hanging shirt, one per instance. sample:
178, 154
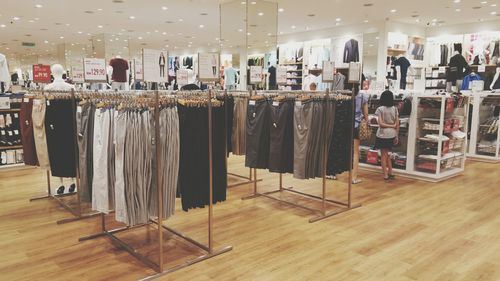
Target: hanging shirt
467, 83
120, 67
404, 64
229, 76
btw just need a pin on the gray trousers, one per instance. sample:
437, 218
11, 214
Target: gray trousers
301, 135
85, 129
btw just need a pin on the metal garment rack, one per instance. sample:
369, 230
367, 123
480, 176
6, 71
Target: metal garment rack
208, 249
249, 179
321, 213
78, 213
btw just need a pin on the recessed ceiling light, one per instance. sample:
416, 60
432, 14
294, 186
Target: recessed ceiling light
338, 19
281, 10
393, 10
457, 10
164, 8
417, 20
456, 1
240, 30
269, 34
484, 2
493, 5
248, 33
132, 17
31, 21
16, 18
201, 26
61, 37
79, 32
99, 26
67, 24
243, 2
181, 20
2, 25
260, 14
434, 20
253, 2
164, 33
293, 27
365, 21
493, 13
38, 6
140, 38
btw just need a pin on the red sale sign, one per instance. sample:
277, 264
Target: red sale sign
41, 73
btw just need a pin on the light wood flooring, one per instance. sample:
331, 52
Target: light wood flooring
405, 230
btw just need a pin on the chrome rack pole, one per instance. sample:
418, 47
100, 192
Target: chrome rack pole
159, 184
325, 152
75, 149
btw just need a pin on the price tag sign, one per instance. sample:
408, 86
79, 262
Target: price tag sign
182, 77
328, 71
77, 74
41, 73
4, 103
481, 68
354, 72
255, 74
281, 72
209, 67
94, 69
138, 70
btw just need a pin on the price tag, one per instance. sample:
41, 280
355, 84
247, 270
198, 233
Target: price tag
94, 69
26, 100
16, 132
298, 103
16, 115
481, 68
10, 133
79, 109
252, 102
48, 102
36, 102
275, 103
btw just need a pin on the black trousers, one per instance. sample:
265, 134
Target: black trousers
257, 130
281, 137
194, 174
61, 139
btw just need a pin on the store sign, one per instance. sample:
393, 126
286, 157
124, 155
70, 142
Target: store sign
41, 73
77, 74
94, 69
328, 71
139, 74
182, 77
208, 67
354, 72
154, 65
255, 74
281, 78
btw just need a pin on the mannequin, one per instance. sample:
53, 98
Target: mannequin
457, 68
402, 65
4, 74
495, 85
60, 85
119, 75
231, 77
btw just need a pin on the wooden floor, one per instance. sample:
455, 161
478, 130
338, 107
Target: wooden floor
406, 230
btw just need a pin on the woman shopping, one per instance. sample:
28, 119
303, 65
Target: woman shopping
361, 114
388, 131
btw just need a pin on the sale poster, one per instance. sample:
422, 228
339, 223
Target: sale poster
77, 74
209, 66
281, 75
154, 65
328, 71
255, 74
41, 73
94, 69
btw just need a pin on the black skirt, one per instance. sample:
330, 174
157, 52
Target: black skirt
381, 143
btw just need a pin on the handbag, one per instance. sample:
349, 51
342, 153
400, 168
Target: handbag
365, 132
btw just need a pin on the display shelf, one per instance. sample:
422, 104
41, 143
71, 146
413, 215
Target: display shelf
484, 143
13, 151
10, 110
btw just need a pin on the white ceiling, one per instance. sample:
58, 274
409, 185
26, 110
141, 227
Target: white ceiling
182, 23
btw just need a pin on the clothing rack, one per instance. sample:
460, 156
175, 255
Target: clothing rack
249, 179
321, 213
209, 249
78, 212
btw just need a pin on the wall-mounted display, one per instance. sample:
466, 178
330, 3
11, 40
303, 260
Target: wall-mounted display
208, 67
154, 65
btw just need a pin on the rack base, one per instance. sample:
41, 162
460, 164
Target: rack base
122, 244
77, 215
248, 180
321, 215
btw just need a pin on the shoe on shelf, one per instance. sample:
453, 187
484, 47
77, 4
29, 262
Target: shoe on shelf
60, 190
356, 181
72, 188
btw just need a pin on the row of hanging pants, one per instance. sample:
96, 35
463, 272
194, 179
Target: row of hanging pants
292, 136
117, 152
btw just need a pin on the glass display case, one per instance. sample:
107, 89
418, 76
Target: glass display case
440, 136
484, 133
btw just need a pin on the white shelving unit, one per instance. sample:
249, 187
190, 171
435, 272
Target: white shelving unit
447, 161
484, 142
